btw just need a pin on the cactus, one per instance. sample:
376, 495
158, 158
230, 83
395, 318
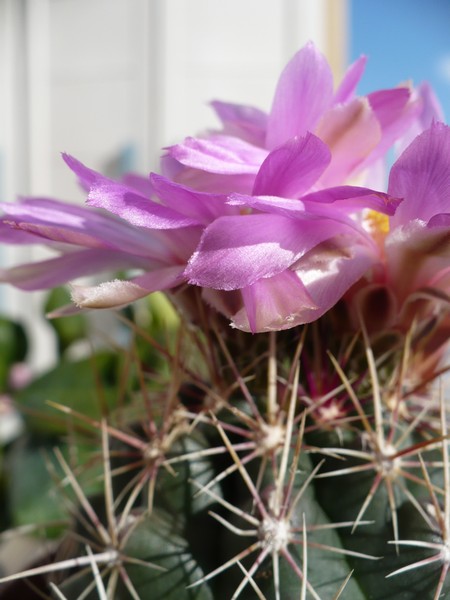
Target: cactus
301, 454
249, 479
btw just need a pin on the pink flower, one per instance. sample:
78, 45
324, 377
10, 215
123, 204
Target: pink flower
156, 237
268, 227
289, 255
414, 243
358, 130
267, 261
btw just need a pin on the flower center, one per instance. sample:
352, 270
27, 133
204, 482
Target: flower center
377, 225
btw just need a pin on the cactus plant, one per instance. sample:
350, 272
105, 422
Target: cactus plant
302, 453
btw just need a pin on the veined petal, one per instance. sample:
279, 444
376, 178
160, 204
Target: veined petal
303, 93
55, 271
117, 293
140, 184
246, 122
86, 176
351, 131
43, 220
430, 111
351, 199
331, 268
389, 105
200, 206
287, 207
126, 202
273, 304
10, 234
431, 108
110, 294
219, 154
234, 252
292, 168
416, 254
422, 177
396, 110
137, 210
347, 87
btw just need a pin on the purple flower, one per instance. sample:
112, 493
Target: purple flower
415, 242
268, 226
357, 130
270, 260
289, 255
153, 235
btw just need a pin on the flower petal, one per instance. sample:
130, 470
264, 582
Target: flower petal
124, 201
303, 93
351, 199
137, 210
422, 177
245, 122
43, 220
86, 176
235, 252
347, 87
55, 271
219, 154
200, 206
416, 256
332, 267
117, 293
10, 234
273, 304
352, 132
291, 169
396, 110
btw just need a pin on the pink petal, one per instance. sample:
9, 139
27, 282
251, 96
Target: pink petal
422, 177
303, 93
202, 181
140, 184
44, 220
351, 199
396, 110
137, 210
352, 132
273, 304
235, 252
117, 293
430, 112
110, 294
331, 268
287, 207
200, 206
86, 176
245, 122
125, 202
292, 168
417, 256
55, 271
347, 87
219, 154
10, 234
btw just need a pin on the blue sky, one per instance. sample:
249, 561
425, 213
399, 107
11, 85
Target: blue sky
403, 39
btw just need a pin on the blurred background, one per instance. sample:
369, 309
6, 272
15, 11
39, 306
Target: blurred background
114, 81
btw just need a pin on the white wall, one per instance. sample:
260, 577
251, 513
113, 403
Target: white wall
112, 81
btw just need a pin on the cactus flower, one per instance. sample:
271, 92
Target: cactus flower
358, 130
415, 242
136, 232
